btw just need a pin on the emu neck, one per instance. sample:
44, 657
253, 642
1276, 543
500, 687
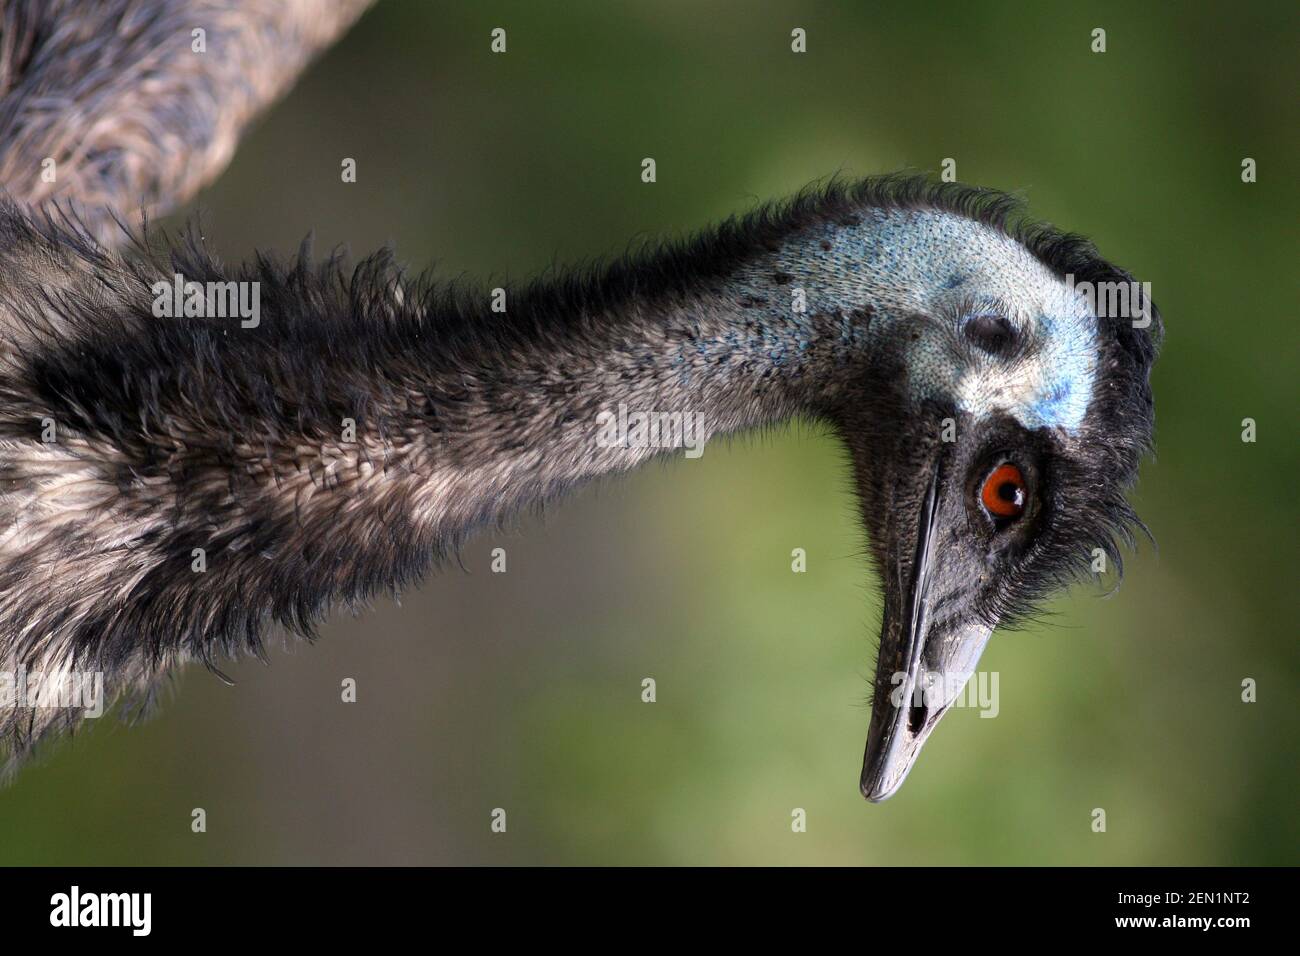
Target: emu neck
205, 478
544, 401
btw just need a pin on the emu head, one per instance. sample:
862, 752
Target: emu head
994, 428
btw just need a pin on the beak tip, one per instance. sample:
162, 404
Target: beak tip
890, 756
874, 794
877, 786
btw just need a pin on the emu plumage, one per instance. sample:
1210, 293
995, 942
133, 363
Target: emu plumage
119, 105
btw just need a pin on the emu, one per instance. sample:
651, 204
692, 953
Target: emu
171, 488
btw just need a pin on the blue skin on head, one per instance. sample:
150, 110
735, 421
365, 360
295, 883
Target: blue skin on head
929, 272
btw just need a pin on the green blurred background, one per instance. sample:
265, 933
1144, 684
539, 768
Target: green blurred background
522, 690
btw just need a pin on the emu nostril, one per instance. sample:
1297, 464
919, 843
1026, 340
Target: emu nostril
916, 716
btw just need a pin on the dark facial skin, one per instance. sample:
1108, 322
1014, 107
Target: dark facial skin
951, 569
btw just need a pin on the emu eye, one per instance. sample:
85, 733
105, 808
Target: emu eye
1004, 493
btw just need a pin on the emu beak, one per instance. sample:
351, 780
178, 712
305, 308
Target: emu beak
920, 671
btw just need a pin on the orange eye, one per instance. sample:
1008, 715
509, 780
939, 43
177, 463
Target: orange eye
1004, 494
